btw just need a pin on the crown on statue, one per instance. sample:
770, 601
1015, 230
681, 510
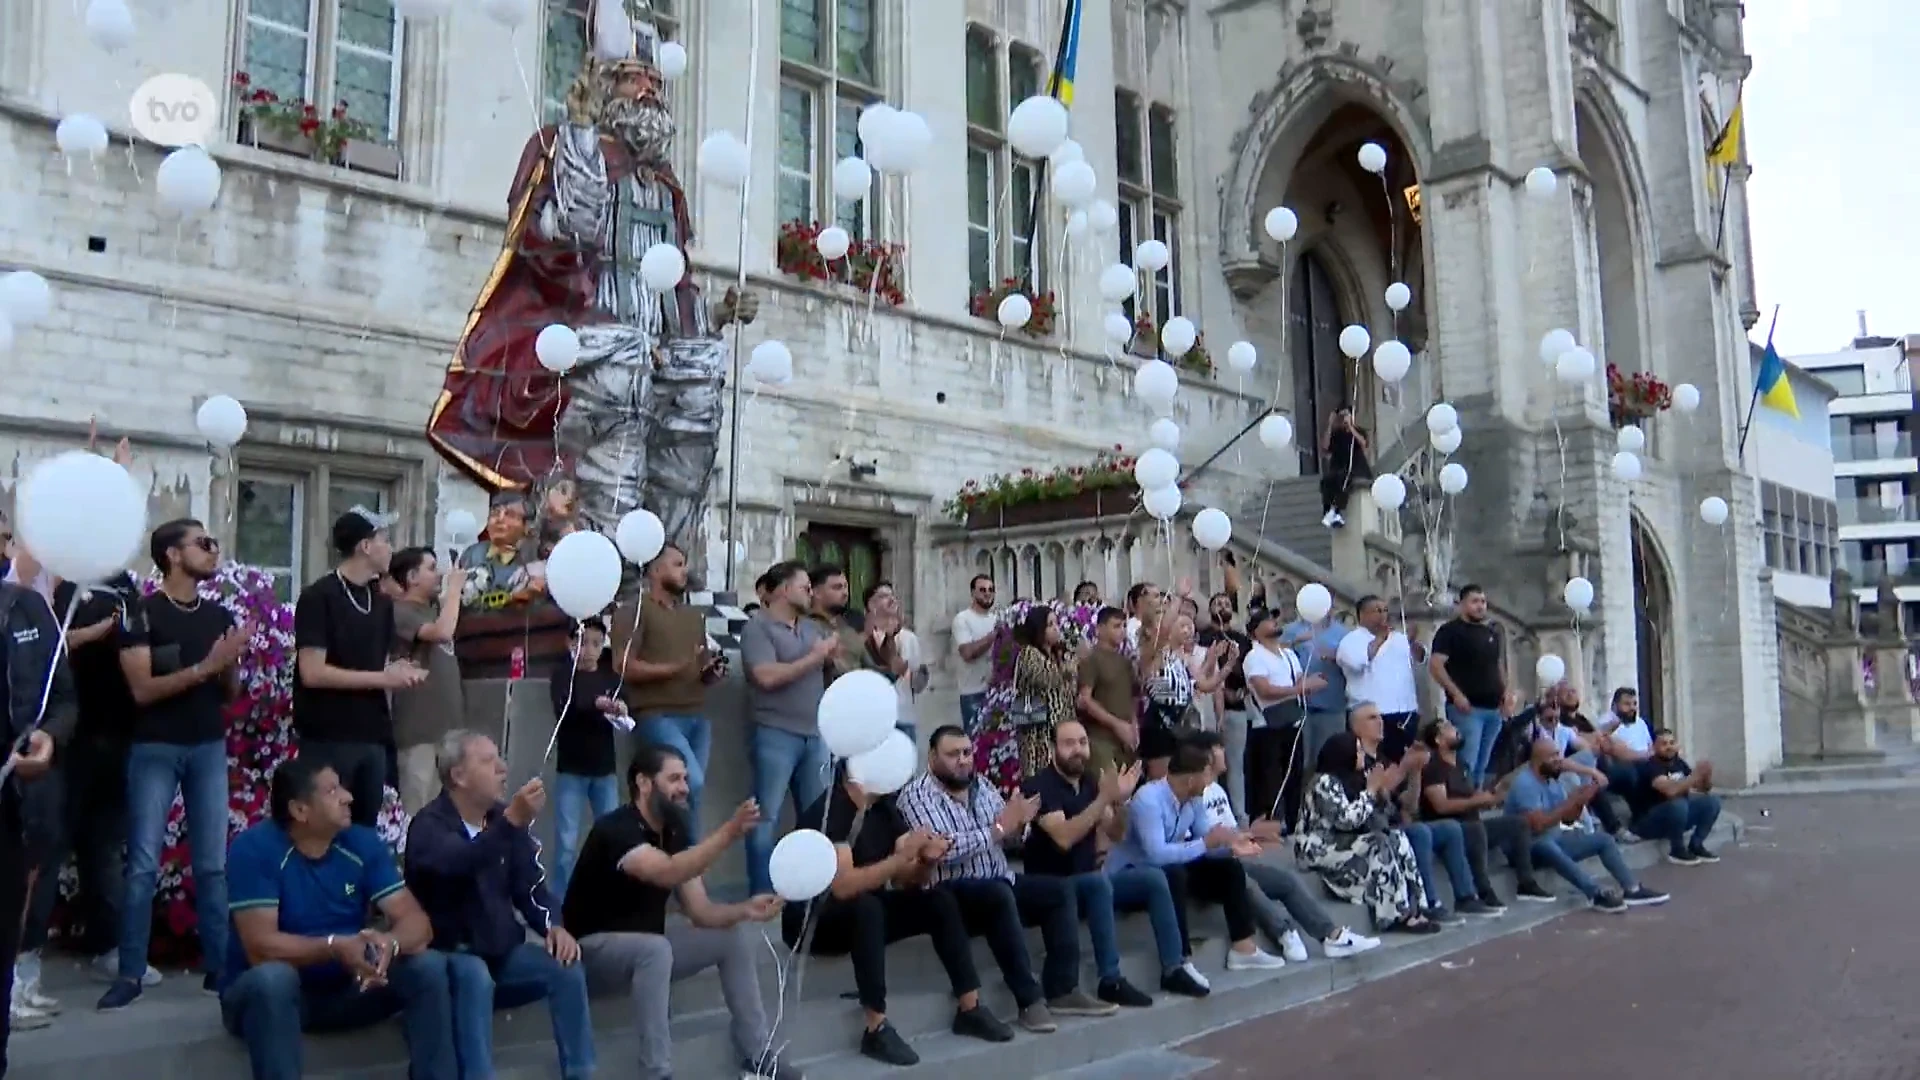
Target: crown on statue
646, 35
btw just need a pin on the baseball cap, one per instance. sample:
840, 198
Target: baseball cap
356, 525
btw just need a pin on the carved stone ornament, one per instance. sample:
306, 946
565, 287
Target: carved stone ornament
1846, 608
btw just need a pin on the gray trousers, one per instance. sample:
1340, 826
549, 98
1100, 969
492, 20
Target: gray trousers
647, 965
1233, 731
1280, 900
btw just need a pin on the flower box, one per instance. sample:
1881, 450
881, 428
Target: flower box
1146, 344
1031, 497
870, 267
1633, 398
985, 304
1080, 506
377, 158
302, 129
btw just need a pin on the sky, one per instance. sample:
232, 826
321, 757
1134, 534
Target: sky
1833, 135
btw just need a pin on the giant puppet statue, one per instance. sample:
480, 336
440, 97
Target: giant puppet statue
636, 421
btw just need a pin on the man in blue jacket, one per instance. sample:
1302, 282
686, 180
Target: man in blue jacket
476, 870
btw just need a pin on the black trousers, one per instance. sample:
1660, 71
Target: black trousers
998, 910
864, 926
43, 812
1398, 731
1507, 833
1337, 484
1276, 772
96, 774
13, 895
1212, 880
362, 768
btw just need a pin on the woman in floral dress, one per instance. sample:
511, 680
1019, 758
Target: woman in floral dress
1043, 687
1344, 838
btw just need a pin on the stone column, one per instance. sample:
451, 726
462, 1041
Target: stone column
1847, 715
1893, 706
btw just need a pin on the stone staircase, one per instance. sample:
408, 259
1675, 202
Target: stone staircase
1291, 510
174, 1032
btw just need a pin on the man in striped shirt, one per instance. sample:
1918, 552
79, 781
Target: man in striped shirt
949, 801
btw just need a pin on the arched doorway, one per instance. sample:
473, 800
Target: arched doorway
1322, 377
1606, 241
1653, 629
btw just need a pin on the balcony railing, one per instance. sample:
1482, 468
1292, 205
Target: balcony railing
1871, 510
1872, 447
1872, 572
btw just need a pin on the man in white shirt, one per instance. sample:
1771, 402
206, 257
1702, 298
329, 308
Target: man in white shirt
1379, 663
1626, 739
973, 633
1276, 774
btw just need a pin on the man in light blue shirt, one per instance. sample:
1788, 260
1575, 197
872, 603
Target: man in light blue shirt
1563, 832
1316, 644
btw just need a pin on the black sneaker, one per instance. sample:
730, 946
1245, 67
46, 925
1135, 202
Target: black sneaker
1122, 993
884, 1045
1535, 892
1702, 853
1609, 902
1683, 858
1492, 902
1181, 981
1473, 907
1641, 896
980, 1023
121, 994
1443, 916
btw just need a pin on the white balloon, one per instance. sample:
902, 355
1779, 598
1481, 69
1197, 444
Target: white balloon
662, 267
1626, 466
422, 9
1372, 157
1576, 365
852, 179
724, 160
1392, 361
613, 31
1241, 356
1554, 345
1631, 439
858, 712
1281, 223
1118, 282
25, 298
221, 420
511, 13
1686, 397
1389, 491
1550, 669
771, 362
1453, 478
463, 526
1038, 126
1313, 602
1155, 382
1161, 504
886, 768
1164, 434
1015, 311
873, 124
557, 348
1398, 296
1118, 327
110, 24
802, 865
640, 536
1578, 594
1178, 336
1713, 510
583, 573
1212, 528
1102, 215
671, 59
1442, 417
1156, 469
81, 515
1077, 224
81, 135
1075, 184
1445, 441
1354, 342
1067, 153
1152, 256
188, 181
906, 139
1541, 183
833, 242
1276, 432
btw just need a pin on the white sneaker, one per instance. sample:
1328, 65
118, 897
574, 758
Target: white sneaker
106, 969
1293, 947
1328, 518
1347, 943
1194, 974
26, 1018
27, 993
1257, 960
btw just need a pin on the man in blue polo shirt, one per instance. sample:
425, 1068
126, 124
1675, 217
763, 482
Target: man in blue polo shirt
1317, 644
301, 957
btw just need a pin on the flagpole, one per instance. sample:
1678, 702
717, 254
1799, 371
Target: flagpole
1054, 84
1754, 401
1726, 174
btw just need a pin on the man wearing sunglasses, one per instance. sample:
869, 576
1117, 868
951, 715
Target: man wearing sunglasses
179, 649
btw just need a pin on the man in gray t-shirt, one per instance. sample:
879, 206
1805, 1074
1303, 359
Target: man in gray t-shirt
784, 654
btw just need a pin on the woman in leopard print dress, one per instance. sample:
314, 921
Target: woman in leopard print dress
1043, 687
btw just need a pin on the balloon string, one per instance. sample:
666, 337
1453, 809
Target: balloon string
53, 668
573, 683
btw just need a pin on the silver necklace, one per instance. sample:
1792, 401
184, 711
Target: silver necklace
347, 587
195, 606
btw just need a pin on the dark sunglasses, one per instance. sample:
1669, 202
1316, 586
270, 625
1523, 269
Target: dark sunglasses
205, 543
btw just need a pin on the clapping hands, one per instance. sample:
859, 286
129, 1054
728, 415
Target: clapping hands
1117, 788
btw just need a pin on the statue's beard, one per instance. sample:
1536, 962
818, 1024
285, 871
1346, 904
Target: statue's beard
643, 127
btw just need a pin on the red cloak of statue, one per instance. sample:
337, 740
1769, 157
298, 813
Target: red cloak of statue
498, 408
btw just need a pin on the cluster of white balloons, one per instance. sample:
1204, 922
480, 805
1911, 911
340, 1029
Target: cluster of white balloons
1443, 432
583, 572
1157, 472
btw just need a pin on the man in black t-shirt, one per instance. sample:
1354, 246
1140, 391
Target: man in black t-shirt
1447, 793
878, 897
616, 907
1466, 663
343, 635
180, 652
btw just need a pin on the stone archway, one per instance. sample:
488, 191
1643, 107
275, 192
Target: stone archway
1610, 238
1654, 640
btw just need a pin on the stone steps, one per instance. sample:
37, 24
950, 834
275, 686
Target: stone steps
175, 1032
1291, 509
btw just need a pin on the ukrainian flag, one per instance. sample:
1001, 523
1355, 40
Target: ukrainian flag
1772, 385
1061, 84
1725, 151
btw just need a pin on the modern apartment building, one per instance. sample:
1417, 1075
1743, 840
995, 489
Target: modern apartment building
1793, 467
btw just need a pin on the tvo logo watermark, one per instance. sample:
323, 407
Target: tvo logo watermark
175, 110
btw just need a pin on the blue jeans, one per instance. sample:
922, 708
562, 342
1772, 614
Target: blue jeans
269, 1006
1562, 850
971, 705
528, 974
1445, 838
1102, 894
199, 773
1479, 734
598, 795
1672, 820
783, 763
692, 737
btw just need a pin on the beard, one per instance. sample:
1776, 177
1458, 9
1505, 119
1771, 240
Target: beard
956, 781
673, 816
1070, 767
643, 126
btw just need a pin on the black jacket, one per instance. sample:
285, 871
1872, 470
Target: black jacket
32, 644
471, 886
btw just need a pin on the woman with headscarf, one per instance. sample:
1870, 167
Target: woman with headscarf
1043, 687
1344, 838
